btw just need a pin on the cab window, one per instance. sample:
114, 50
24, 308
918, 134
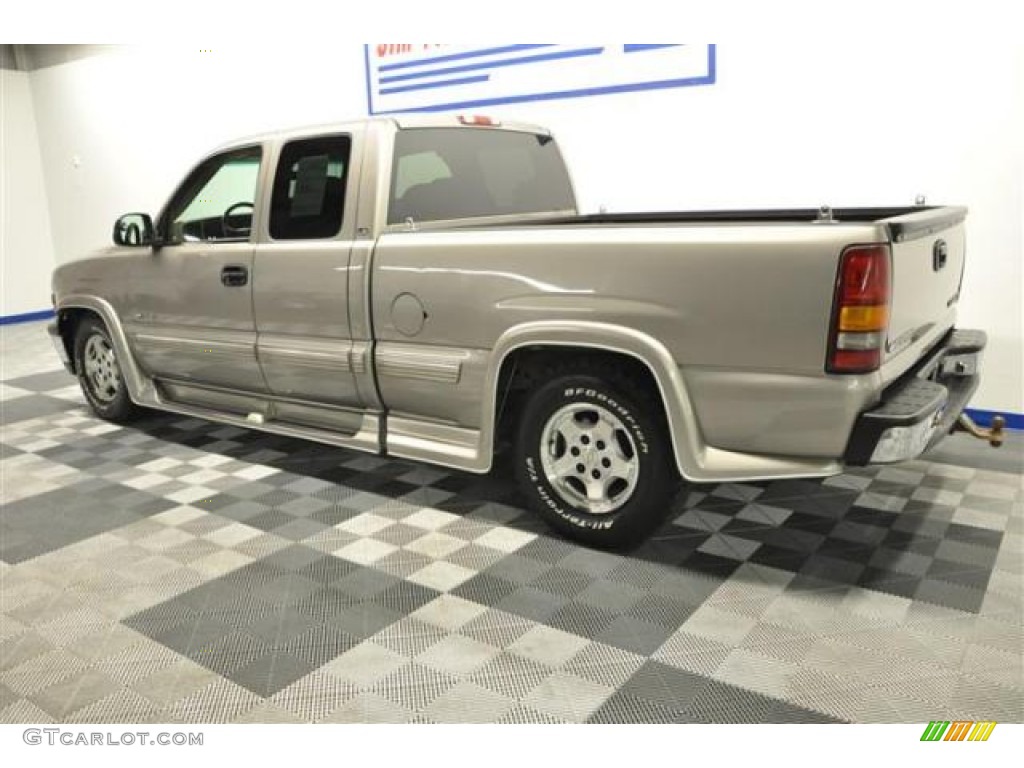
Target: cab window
459, 173
308, 199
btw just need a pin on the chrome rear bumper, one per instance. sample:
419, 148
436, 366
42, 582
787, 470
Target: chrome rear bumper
919, 409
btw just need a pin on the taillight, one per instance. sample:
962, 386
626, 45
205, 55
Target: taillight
860, 310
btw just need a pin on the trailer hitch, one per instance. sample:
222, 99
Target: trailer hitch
993, 434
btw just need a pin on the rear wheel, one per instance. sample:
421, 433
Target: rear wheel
99, 373
594, 458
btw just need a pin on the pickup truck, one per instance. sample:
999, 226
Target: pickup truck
424, 288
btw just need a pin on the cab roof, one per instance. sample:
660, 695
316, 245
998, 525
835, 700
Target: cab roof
402, 122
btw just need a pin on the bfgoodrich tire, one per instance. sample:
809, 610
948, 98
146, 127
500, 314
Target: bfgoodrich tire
99, 373
594, 458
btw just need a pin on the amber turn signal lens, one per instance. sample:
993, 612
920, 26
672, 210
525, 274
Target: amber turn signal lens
870, 318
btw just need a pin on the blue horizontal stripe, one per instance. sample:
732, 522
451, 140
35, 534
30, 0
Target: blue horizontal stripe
708, 79
984, 418
573, 54
626, 88
27, 317
436, 84
637, 47
460, 56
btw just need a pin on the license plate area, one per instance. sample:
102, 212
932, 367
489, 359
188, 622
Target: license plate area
902, 443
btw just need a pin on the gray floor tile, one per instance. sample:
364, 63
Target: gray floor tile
24, 408
182, 570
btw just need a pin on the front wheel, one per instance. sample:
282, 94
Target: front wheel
594, 458
99, 373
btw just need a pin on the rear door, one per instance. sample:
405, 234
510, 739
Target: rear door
927, 268
300, 297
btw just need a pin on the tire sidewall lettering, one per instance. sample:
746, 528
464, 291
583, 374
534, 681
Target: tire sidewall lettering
540, 486
539, 482
574, 394
638, 409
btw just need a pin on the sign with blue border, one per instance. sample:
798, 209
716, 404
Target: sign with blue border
431, 77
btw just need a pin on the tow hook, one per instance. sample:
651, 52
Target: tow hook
993, 434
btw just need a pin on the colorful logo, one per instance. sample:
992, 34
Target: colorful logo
958, 730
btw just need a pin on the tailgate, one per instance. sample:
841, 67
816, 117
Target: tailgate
927, 267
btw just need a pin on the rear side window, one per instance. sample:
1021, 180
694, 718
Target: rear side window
308, 200
458, 173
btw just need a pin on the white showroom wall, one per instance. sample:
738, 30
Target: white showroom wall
26, 245
799, 125
836, 123
119, 130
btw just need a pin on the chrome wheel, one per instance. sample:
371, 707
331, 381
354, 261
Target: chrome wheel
102, 373
589, 458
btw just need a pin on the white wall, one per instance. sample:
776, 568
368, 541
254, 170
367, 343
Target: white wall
842, 123
120, 130
26, 246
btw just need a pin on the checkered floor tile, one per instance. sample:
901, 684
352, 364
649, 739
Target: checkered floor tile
181, 571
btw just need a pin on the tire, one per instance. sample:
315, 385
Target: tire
99, 373
593, 455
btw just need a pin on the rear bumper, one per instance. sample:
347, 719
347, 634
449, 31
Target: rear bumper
920, 408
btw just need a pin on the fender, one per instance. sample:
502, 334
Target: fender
140, 387
683, 429
695, 460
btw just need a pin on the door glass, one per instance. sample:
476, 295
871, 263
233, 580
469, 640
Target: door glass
309, 189
216, 202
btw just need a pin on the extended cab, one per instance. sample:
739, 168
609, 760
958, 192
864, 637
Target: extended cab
424, 287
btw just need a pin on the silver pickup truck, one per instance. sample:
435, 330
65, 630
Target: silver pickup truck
424, 288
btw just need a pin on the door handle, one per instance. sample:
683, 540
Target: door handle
234, 275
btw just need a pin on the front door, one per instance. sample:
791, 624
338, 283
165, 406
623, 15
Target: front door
190, 318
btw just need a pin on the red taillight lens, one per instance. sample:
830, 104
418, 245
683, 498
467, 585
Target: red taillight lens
860, 312
864, 276
855, 360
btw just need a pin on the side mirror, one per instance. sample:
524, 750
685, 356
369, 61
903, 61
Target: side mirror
133, 230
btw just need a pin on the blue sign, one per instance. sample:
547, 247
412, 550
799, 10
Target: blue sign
431, 77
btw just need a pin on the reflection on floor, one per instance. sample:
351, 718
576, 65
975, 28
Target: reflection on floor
180, 571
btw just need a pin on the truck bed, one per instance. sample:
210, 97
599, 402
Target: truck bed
904, 223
